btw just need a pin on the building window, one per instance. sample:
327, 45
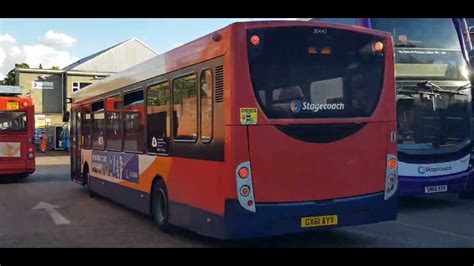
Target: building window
113, 108
79, 85
133, 111
206, 87
86, 127
158, 118
185, 108
98, 125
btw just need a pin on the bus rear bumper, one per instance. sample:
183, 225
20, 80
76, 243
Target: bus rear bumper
283, 218
17, 167
409, 186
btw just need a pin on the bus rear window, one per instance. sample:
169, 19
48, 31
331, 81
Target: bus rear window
13, 121
307, 72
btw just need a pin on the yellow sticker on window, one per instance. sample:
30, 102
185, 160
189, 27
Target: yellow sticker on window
248, 116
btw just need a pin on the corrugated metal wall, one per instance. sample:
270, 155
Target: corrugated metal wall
119, 58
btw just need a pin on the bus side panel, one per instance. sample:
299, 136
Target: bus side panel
121, 194
203, 211
112, 182
197, 188
31, 163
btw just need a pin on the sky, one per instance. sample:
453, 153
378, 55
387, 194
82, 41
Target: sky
59, 42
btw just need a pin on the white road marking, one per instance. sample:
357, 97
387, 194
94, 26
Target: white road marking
434, 230
51, 209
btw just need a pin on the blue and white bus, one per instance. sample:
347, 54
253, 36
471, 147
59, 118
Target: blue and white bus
433, 101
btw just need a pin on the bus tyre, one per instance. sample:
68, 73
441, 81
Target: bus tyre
160, 206
87, 179
23, 176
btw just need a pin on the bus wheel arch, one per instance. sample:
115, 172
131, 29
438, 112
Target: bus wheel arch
159, 203
85, 174
86, 180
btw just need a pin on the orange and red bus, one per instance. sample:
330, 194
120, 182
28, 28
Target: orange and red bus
257, 129
17, 125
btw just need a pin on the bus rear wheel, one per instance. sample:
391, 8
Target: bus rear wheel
160, 206
23, 176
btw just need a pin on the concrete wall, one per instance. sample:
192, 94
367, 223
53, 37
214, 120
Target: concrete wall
56, 119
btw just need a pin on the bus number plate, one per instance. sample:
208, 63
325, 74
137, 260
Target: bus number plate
13, 106
314, 221
435, 189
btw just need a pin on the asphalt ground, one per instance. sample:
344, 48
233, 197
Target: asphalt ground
439, 220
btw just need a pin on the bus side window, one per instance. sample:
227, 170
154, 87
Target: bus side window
86, 127
185, 108
347, 21
206, 97
98, 125
133, 116
158, 118
113, 108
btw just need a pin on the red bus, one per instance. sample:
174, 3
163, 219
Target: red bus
257, 129
17, 126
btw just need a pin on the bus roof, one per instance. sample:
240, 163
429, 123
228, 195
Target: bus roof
10, 90
198, 50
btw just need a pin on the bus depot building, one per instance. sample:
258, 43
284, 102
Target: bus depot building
50, 88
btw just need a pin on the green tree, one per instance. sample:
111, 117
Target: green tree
10, 79
55, 67
40, 66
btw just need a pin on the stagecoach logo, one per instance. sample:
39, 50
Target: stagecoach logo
297, 106
426, 169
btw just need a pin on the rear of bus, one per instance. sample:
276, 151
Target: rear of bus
313, 142
16, 136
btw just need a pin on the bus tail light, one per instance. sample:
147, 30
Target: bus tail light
245, 194
244, 191
392, 163
391, 176
243, 172
255, 40
31, 152
378, 47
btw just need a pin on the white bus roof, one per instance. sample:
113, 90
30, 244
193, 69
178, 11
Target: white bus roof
10, 90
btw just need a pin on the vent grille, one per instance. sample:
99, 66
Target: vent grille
219, 81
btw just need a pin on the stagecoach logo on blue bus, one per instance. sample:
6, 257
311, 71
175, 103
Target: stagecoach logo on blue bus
422, 169
425, 169
295, 106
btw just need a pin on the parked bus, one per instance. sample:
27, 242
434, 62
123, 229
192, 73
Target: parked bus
467, 28
470, 24
257, 129
17, 126
433, 101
